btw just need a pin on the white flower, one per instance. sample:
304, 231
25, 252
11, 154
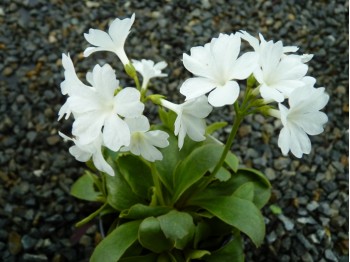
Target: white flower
301, 119
215, 66
83, 153
190, 118
254, 42
149, 70
113, 41
97, 107
278, 74
144, 142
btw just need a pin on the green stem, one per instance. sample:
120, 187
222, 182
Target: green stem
157, 184
91, 216
236, 124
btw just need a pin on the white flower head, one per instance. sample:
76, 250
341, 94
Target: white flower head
96, 108
143, 141
216, 65
258, 46
301, 119
113, 41
83, 153
190, 118
278, 73
149, 70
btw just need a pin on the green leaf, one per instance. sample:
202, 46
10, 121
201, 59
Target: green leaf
262, 187
237, 212
223, 174
195, 166
215, 126
232, 251
116, 243
84, 188
140, 211
178, 227
151, 236
276, 210
147, 258
245, 191
137, 174
232, 161
196, 254
171, 157
120, 196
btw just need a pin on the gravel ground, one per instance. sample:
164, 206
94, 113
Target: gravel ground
37, 214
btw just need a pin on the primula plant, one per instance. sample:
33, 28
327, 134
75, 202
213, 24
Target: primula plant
170, 191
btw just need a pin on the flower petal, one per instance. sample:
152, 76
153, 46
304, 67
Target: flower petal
120, 29
101, 164
244, 66
271, 93
87, 127
196, 86
127, 103
116, 133
99, 38
224, 95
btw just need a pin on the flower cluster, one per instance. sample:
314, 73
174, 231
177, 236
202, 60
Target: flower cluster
110, 116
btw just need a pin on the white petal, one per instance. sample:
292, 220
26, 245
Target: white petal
98, 38
225, 51
196, 86
160, 65
244, 66
224, 95
101, 164
105, 81
300, 142
284, 140
271, 93
116, 133
87, 127
198, 107
138, 124
158, 138
127, 103
312, 123
196, 66
79, 154
150, 153
254, 42
119, 30
195, 128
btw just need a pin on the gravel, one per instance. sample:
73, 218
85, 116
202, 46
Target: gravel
37, 214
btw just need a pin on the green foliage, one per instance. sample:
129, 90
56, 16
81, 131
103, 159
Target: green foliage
85, 188
116, 243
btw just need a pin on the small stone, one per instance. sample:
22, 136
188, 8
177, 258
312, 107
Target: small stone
338, 221
330, 255
31, 135
28, 242
53, 140
307, 257
14, 243
85, 241
313, 205
307, 220
270, 173
288, 223
244, 130
35, 258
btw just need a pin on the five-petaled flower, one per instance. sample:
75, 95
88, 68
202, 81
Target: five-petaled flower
143, 141
113, 41
278, 73
301, 119
96, 107
149, 70
190, 118
215, 66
